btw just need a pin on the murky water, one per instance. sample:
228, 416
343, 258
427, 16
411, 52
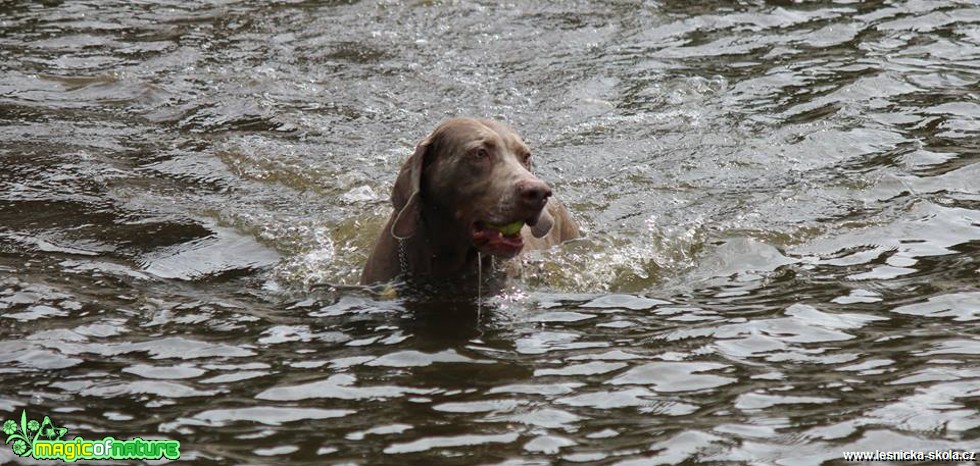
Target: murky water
782, 204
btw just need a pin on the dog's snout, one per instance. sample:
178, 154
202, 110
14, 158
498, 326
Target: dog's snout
533, 192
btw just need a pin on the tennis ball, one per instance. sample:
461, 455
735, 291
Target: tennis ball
509, 229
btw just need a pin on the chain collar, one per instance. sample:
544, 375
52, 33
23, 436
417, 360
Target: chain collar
402, 257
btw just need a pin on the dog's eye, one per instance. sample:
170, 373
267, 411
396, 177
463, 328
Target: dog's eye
482, 153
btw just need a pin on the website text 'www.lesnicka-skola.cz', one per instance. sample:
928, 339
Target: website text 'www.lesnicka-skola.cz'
910, 455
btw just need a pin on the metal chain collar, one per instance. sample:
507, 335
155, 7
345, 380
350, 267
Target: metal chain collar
402, 257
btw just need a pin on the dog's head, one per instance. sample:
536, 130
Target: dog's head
473, 176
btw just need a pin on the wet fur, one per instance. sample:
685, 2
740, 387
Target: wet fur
445, 186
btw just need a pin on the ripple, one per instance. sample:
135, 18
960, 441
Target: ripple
36, 312
932, 409
543, 342
954, 346
561, 316
162, 389
589, 368
429, 443
226, 250
674, 376
619, 301
960, 307
644, 400
684, 446
337, 386
803, 325
753, 401
268, 415
162, 372
164, 348
536, 389
547, 418
419, 359
547, 444
20, 356
276, 451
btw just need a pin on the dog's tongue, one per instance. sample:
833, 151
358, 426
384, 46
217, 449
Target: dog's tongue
543, 225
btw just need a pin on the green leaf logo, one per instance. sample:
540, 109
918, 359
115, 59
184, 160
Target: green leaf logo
26, 432
9, 427
49, 431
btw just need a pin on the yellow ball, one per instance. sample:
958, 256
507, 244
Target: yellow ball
510, 228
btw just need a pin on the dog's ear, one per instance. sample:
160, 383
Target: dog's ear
406, 195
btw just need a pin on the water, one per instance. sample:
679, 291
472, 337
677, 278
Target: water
781, 201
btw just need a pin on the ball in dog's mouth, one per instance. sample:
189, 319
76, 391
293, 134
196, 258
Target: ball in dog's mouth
509, 229
498, 240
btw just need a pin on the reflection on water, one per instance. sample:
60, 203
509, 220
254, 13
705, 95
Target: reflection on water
781, 202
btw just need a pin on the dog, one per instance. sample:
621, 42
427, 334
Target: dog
467, 191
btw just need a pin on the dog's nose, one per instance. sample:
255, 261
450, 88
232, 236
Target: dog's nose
533, 193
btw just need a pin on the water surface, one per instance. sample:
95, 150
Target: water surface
781, 201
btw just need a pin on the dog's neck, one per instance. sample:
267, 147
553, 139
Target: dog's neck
440, 249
